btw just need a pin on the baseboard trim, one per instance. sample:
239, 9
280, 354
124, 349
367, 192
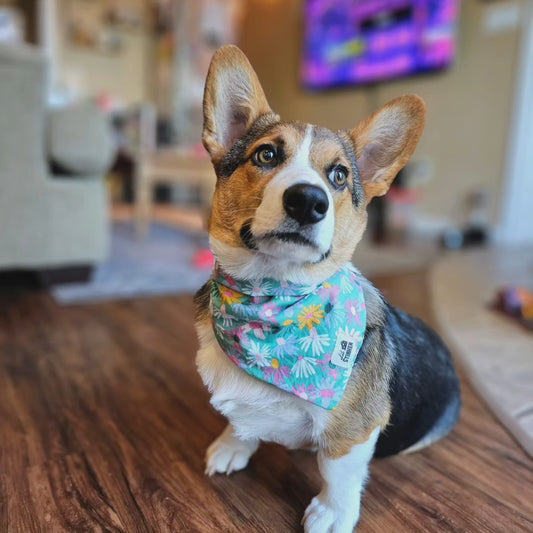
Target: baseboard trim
49, 277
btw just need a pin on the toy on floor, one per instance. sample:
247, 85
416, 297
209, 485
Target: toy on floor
517, 303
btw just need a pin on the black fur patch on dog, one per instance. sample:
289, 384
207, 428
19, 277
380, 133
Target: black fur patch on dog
236, 155
342, 138
424, 389
357, 188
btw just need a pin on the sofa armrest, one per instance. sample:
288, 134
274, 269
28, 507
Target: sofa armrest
79, 140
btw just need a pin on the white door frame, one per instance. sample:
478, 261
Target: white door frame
515, 226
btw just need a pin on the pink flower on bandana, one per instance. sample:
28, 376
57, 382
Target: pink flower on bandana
329, 292
276, 372
231, 281
257, 329
308, 392
232, 333
334, 373
327, 393
354, 308
326, 368
268, 312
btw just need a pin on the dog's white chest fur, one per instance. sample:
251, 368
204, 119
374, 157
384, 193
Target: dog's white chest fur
256, 409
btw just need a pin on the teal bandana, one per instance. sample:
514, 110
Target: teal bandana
302, 339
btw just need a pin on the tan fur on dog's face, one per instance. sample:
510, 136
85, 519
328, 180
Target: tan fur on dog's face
251, 232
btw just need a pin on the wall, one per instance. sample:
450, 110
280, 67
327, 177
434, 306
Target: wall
468, 106
126, 75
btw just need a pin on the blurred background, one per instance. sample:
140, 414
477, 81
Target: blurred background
104, 183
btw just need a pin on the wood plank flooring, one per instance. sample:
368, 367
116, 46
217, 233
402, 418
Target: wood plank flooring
104, 423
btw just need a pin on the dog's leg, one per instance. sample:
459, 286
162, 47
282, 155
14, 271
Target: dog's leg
336, 508
228, 453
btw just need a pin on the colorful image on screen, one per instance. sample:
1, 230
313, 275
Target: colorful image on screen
351, 42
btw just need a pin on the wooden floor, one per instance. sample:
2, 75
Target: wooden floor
104, 423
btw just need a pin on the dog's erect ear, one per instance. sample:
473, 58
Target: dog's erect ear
385, 141
233, 100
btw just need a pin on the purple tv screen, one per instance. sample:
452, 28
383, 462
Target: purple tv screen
350, 42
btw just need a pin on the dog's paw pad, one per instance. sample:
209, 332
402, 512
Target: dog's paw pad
321, 518
227, 455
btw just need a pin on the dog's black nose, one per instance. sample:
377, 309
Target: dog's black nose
307, 204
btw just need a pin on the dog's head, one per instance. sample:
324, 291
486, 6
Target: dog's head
290, 200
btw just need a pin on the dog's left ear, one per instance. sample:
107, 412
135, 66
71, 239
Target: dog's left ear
233, 100
385, 141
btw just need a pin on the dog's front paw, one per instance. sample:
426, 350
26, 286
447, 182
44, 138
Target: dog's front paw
320, 517
228, 454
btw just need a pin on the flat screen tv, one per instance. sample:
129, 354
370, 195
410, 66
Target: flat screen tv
351, 42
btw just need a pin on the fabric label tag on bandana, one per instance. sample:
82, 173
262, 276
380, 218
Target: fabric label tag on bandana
345, 350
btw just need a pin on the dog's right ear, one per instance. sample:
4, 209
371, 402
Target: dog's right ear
233, 100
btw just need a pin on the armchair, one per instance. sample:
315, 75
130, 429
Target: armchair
49, 219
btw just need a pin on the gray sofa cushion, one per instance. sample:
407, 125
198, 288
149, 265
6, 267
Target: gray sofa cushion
79, 139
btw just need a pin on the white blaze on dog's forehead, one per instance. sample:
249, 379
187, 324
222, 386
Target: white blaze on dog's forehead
304, 150
302, 161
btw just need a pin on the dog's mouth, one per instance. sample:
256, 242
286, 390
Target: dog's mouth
254, 242
290, 237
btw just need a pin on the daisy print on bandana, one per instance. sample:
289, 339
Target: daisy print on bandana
276, 372
310, 316
316, 342
285, 346
354, 308
304, 367
302, 339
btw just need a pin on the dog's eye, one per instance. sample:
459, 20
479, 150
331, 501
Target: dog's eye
265, 155
338, 176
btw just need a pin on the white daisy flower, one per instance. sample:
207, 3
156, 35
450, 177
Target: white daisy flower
222, 315
357, 336
258, 354
304, 367
258, 288
346, 285
316, 342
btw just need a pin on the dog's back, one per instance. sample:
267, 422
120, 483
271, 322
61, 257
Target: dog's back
424, 387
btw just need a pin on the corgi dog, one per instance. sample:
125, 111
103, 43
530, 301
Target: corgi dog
296, 346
